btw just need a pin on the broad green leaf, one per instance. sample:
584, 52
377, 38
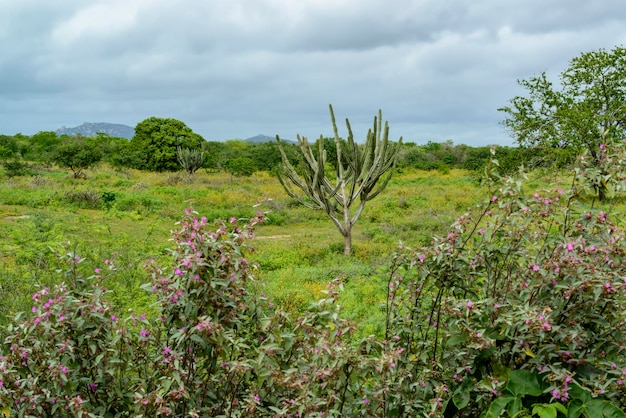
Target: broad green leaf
497, 406
523, 382
599, 408
545, 410
461, 395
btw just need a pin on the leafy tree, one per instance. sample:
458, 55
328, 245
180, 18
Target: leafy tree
213, 154
358, 172
156, 141
77, 155
584, 114
240, 167
8, 147
41, 146
266, 156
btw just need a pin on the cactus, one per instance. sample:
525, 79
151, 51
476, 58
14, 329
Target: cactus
358, 171
190, 160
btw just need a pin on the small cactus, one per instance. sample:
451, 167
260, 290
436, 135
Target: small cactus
190, 159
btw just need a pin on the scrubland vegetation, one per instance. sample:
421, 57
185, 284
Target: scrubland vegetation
487, 290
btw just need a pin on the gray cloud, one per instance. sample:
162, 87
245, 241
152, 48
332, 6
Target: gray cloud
232, 68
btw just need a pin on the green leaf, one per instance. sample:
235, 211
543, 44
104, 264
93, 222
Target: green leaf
599, 408
461, 395
523, 382
497, 406
515, 406
547, 410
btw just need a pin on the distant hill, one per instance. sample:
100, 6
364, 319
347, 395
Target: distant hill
261, 138
91, 129
265, 138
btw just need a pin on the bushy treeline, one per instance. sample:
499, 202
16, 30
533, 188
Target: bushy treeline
242, 158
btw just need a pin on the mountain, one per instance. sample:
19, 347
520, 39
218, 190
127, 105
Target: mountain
261, 138
264, 138
91, 129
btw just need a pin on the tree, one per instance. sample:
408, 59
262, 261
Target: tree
8, 147
357, 175
76, 155
156, 141
240, 167
585, 114
41, 146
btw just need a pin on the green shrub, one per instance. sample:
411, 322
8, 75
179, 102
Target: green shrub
16, 168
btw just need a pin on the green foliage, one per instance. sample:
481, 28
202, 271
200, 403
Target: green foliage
41, 146
16, 168
8, 147
77, 155
585, 113
240, 167
156, 140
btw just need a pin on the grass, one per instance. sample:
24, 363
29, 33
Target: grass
127, 216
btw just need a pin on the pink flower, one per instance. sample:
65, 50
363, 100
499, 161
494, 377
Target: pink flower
366, 401
602, 146
536, 267
494, 198
470, 304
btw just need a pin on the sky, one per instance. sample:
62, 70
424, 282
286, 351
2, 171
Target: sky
438, 69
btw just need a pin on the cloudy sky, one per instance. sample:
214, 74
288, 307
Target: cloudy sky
438, 69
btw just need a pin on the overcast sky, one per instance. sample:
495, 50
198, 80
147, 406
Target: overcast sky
438, 69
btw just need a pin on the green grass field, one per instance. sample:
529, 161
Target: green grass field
128, 216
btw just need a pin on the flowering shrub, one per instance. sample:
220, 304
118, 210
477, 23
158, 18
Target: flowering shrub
520, 307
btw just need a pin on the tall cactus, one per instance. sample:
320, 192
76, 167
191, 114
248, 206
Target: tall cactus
358, 171
190, 159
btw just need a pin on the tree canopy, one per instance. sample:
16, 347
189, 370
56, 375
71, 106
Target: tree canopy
584, 114
157, 140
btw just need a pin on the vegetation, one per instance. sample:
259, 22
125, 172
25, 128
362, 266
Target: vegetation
515, 308
358, 171
190, 160
584, 115
156, 141
77, 156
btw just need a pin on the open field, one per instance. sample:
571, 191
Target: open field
128, 216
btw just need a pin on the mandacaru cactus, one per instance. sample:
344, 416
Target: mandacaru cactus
190, 160
362, 172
